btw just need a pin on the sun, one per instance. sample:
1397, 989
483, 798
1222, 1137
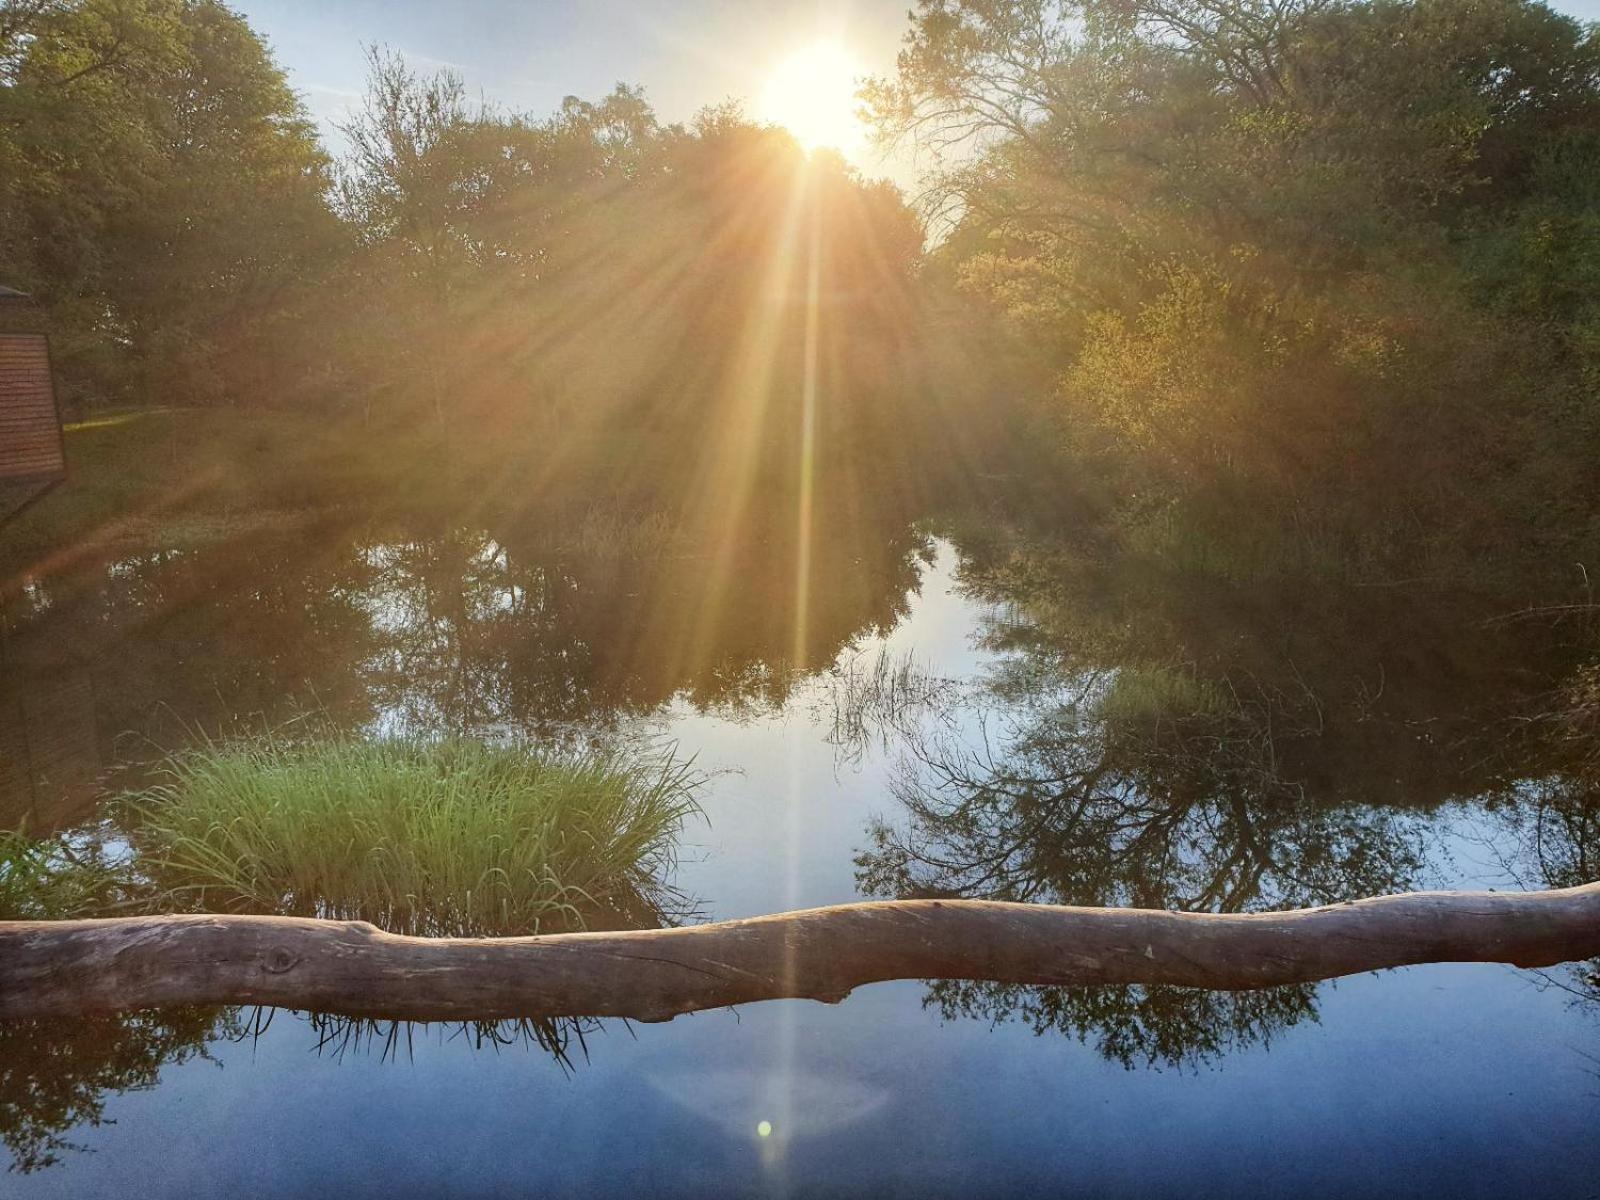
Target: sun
812, 94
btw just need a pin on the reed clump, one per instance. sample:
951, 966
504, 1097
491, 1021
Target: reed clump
443, 838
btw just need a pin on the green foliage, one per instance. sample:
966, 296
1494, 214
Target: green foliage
1296, 266
505, 305
596, 266
161, 191
439, 838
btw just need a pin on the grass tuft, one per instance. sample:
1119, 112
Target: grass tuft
440, 838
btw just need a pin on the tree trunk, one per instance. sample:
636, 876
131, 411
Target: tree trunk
70, 967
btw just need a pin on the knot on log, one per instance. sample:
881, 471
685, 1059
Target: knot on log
279, 960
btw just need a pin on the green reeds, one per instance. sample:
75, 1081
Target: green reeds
451, 837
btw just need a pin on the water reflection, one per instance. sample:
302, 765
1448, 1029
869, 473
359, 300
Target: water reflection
742, 1103
1098, 792
1546, 833
1083, 801
511, 633
458, 631
56, 1075
1108, 749
49, 750
565, 1040
1124, 751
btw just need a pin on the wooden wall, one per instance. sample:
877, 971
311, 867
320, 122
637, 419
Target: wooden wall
30, 430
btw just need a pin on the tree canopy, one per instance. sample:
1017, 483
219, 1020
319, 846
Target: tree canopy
161, 189
1304, 261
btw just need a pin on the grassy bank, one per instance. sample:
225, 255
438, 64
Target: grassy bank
186, 477
180, 476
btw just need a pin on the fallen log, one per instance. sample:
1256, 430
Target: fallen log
349, 967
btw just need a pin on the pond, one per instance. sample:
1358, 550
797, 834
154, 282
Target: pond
911, 729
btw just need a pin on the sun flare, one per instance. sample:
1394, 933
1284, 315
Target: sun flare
812, 93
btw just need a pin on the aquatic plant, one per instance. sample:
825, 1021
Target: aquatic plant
50, 879
447, 837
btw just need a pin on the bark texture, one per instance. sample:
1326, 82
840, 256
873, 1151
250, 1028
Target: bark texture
71, 967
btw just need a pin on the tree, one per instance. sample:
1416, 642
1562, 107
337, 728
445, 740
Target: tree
165, 191
1247, 235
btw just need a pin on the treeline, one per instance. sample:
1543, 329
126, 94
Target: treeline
164, 195
600, 251
1302, 288
590, 307
1316, 280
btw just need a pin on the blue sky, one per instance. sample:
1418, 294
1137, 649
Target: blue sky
528, 54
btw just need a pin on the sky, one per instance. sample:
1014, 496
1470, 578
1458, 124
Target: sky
527, 55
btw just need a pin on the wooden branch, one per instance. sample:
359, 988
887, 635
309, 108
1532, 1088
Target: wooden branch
71, 967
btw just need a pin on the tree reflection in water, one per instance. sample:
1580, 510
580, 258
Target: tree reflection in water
444, 631
58, 1075
1168, 743
55, 1075
1548, 835
1127, 788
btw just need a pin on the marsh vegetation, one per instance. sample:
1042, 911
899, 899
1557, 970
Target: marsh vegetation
450, 838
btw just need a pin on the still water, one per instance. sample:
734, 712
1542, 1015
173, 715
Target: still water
903, 733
